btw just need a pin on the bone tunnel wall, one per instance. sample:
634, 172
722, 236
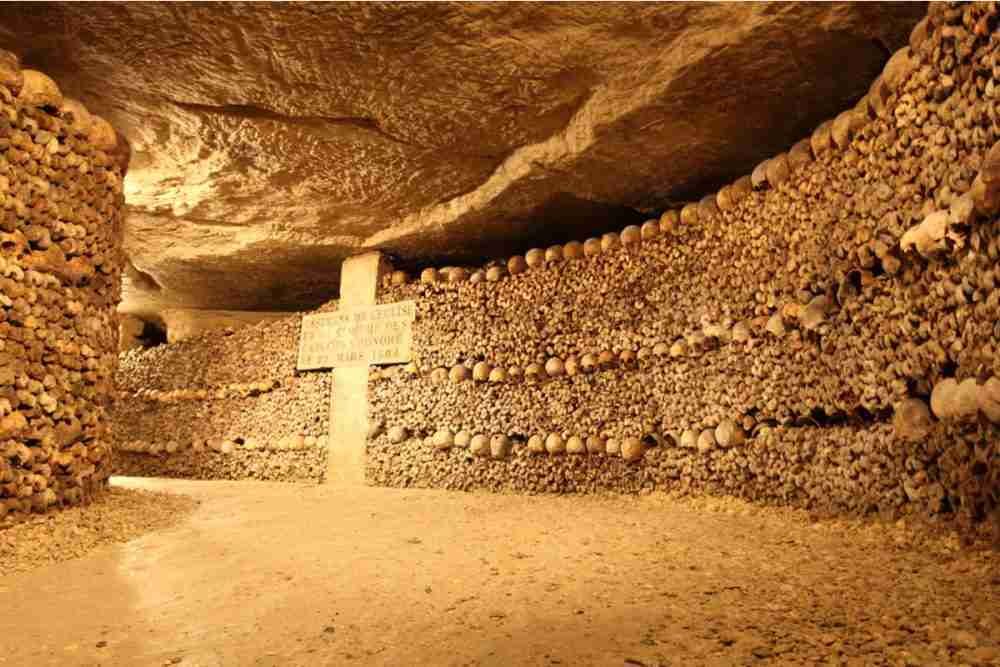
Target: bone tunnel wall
223, 405
61, 173
779, 340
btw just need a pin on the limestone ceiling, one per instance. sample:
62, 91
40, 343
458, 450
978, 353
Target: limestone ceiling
272, 140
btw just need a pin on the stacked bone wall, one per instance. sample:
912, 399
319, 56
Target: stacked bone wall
822, 332
60, 257
223, 405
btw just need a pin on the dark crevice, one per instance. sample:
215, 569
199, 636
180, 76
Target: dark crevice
250, 112
152, 335
560, 218
859, 417
884, 48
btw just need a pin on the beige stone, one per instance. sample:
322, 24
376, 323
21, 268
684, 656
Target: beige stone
706, 441
480, 445
444, 439
911, 419
612, 447
481, 371
573, 250
500, 446
575, 445
632, 449
360, 277
516, 265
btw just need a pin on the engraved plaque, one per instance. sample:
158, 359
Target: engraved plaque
365, 336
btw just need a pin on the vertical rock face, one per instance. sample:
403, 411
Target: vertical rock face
781, 340
130, 330
275, 139
184, 323
61, 173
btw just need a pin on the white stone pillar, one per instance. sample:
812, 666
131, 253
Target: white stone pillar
359, 278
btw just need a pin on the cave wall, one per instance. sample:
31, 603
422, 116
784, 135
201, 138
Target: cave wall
130, 330
61, 173
821, 332
778, 340
183, 323
223, 404
268, 148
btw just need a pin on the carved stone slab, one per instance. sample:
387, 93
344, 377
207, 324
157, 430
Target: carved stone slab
369, 335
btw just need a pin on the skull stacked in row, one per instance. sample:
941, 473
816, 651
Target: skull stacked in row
801, 304
61, 173
261, 352
223, 405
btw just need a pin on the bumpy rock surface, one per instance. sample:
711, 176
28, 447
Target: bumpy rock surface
273, 140
181, 323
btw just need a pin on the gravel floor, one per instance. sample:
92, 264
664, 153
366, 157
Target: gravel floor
118, 515
294, 574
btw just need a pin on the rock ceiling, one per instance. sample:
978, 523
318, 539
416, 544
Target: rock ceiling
272, 140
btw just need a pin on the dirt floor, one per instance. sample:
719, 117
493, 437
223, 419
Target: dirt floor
281, 574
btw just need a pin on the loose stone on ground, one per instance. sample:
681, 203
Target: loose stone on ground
116, 516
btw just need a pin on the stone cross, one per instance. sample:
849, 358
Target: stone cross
359, 278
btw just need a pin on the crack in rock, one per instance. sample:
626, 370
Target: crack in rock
315, 123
